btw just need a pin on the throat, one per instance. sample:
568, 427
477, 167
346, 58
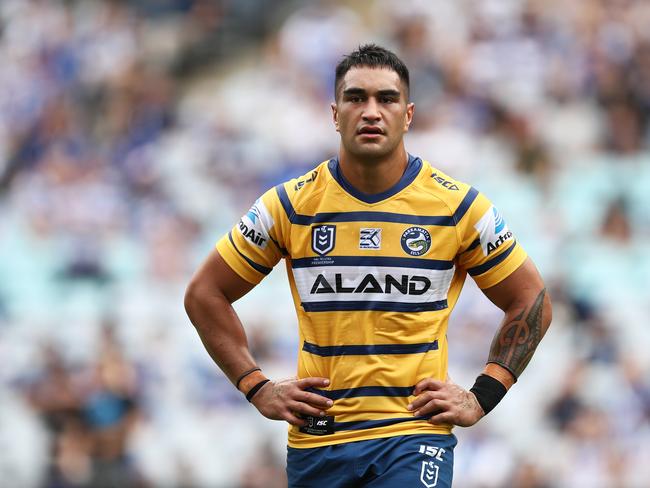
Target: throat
374, 177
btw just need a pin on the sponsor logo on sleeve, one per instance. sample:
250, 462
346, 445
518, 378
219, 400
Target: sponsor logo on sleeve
416, 241
255, 225
370, 238
493, 231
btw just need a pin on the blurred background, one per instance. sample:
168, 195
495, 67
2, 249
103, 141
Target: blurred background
133, 134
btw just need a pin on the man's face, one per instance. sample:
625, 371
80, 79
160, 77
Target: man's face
371, 111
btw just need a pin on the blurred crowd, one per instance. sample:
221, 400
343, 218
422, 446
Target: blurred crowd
134, 134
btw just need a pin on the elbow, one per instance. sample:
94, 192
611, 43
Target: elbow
547, 311
192, 300
203, 302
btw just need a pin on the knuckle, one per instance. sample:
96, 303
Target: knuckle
312, 399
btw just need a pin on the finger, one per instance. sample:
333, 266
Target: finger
305, 383
443, 418
434, 407
294, 420
313, 399
305, 409
428, 384
424, 397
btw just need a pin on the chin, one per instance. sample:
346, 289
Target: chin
370, 151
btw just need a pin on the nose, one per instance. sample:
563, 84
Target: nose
371, 111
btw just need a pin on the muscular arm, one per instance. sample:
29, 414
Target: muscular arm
212, 290
527, 307
208, 302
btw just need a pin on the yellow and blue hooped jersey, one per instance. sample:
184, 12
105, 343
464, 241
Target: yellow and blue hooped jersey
374, 279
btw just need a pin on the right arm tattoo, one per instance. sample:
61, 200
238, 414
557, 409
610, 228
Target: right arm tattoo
515, 342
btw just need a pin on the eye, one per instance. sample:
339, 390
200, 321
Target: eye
387, 100
356, 99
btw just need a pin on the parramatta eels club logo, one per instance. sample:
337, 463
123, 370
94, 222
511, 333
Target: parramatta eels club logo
416, 241
323, 239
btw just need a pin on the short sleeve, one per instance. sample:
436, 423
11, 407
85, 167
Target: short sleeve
489, 251
254, 246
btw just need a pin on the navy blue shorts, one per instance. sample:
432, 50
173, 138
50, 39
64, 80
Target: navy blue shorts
406, 461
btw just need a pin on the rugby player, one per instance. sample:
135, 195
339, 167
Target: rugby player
377, 245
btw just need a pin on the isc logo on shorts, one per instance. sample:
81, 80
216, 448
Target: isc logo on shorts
429, 469
433, 451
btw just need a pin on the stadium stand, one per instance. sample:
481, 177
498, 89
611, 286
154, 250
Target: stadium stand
134, 134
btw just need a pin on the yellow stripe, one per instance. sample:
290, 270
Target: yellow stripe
299, 440
370, 408
388, 327
383, 370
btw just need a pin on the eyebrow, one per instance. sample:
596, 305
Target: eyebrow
361, 91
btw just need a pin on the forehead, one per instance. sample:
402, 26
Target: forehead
371, 79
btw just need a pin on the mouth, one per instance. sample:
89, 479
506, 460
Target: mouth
370, 132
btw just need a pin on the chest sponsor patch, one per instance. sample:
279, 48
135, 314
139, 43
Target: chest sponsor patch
255, 225
493, 231
369, 238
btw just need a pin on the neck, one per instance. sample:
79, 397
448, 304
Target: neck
376, 175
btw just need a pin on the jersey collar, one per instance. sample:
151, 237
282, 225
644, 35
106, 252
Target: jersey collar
412, 169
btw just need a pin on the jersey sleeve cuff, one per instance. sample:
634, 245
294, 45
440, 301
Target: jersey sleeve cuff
237, 262
502, 270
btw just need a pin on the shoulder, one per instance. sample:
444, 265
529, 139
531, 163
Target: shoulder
294, 192
455, 194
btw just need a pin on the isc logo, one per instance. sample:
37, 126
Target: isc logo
446, 183
433, 451
301, 183
321, 423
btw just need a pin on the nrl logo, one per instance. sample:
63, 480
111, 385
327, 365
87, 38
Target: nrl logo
323, 239
429, 474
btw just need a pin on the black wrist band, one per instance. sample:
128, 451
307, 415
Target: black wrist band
488, 391
244, 374
255, 389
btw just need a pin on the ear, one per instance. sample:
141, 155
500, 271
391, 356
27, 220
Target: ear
335, 115
410, 109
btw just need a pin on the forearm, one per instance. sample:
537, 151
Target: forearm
520, 332
220, 331
222, 334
